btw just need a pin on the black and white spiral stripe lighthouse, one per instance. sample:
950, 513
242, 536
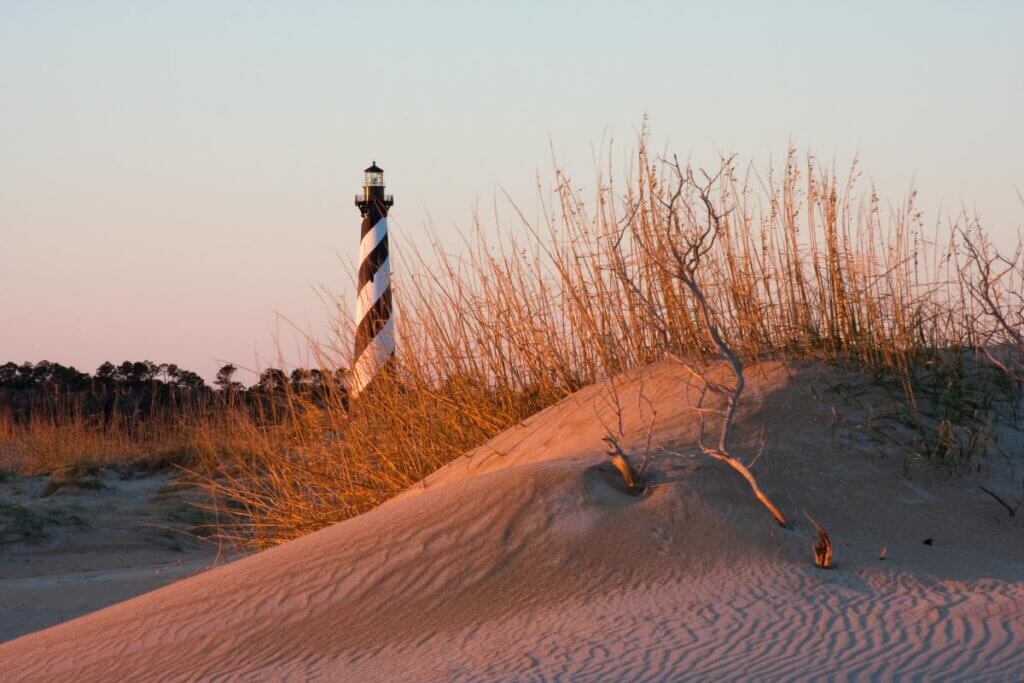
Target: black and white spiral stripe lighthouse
375, 328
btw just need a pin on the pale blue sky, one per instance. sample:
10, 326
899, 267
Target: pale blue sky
172, 174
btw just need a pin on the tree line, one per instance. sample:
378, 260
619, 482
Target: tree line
137, 390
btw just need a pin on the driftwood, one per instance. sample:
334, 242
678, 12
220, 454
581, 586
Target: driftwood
1011, 509
823, 548
686, 262
635, 484
635, 478
686, 248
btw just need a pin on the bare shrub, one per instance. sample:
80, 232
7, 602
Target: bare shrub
996, 288
805, 264
689, 240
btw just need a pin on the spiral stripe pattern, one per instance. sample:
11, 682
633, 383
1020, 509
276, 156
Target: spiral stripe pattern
375, 329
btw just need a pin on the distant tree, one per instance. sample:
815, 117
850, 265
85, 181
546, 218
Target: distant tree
302, 379
9, 375
137, 372
42, 376
187, 380
133, 389
225, 378
273, 380
106, 372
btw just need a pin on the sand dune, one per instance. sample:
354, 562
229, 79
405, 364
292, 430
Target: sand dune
524, 560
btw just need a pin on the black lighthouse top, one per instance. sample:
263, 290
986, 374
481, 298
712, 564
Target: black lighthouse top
373, 192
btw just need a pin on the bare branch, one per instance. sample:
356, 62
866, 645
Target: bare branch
1010, 509
687, 256
999, 301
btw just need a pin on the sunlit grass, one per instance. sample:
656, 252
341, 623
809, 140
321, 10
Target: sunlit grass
808, 265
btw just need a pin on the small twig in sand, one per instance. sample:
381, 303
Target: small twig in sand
635, 484
823, 548
762, 444
636, 479
1012, 509
641, 399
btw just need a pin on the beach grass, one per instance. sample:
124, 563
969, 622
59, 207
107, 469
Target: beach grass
809, 264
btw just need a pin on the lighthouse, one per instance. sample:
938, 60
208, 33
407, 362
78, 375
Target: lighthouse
375, 328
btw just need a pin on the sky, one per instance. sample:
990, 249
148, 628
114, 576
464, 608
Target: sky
176, 178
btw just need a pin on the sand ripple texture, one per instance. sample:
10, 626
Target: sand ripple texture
526, 561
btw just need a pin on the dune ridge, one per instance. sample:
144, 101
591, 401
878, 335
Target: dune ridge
524, 559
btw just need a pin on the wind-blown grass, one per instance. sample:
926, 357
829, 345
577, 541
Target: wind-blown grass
66, 441
807, 264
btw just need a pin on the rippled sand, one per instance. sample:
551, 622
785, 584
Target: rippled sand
524, 560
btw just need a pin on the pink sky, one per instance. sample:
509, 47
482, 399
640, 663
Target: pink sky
174, 176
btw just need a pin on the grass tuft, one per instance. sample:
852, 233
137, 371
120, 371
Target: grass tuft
807, 264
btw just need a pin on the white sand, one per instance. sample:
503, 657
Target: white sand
523, 561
